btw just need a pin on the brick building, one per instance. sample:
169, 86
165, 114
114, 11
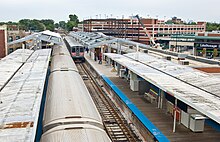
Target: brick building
3, 41
132, 29
14, 33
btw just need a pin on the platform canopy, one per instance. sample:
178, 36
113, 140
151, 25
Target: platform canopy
47, 36
202, 80
93, 40
21, 98
198, 99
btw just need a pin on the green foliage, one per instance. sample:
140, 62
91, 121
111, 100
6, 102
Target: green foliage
25, 24
36, 25
73, 22
11, 23
45, 24
33, 25
191, 23
49, 24
74, 18
56, 25
212, 26
2, 23
169, 22
70, 25
62, 24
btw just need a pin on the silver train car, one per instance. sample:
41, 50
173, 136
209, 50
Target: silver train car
60, 50
70, 114
61, 60
76, 49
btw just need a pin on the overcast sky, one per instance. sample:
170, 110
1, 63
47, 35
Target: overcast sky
197, 10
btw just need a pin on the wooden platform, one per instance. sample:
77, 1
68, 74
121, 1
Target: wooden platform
164, 121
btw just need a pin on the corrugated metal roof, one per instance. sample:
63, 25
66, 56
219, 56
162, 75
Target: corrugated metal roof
47, 32
192, 76
47, 36
11, 63
202, 101
21, 99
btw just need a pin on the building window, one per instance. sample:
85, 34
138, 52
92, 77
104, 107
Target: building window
17, 37
10, 50
10, 38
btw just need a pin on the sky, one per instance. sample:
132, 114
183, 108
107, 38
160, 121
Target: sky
58, 10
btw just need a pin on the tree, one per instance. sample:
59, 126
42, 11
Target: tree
36, 25
45, 24
212, 26
25, 24
74, 18
73, 22
70, 25
56, 25
11, 23
62, 24
49, 24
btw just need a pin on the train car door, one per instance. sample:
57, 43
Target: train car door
77, 50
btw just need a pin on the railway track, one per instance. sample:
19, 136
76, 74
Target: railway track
115, 124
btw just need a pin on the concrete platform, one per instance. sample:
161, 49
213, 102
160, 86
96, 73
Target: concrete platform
158, 117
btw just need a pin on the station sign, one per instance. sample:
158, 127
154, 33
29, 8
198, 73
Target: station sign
206, 45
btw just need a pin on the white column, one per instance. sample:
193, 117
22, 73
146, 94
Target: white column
161, 99
23, 52
174, 119
158, 103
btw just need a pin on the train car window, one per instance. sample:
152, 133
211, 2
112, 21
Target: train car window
73, 49
77, 49
81, 49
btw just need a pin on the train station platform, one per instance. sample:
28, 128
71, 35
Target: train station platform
159, 117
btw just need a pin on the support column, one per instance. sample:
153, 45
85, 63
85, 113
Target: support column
109, 48
118, 69
158, 103
161, 98
23, 53
174, 119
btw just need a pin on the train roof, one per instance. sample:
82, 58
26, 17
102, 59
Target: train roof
75, 133
67, 96
72, 42
60, 50
63, 63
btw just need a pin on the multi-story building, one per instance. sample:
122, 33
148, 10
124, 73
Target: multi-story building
132, 29
3, 41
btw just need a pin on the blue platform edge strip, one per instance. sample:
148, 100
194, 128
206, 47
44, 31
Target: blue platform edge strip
213, 124
144, 120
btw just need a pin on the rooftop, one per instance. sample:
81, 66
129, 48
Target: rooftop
21, 98
203, 101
